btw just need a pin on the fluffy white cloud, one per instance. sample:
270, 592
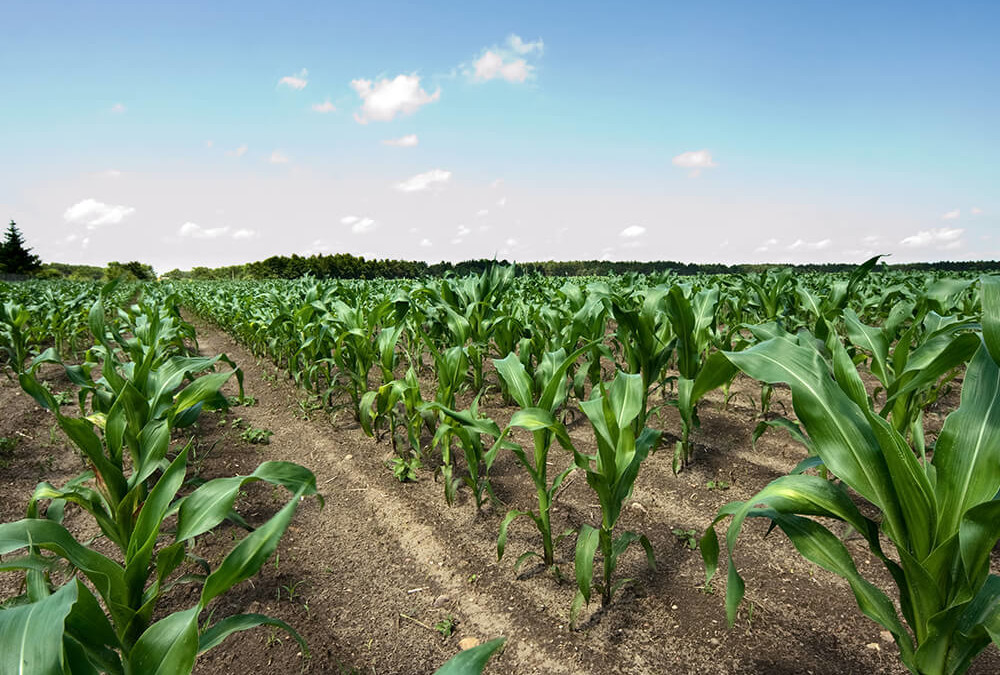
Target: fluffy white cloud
952, 215
244, 233
324, 107
94, 214
384, 99
810, 245
196, 231
492, 65
278, 157
632, 231
522, 47
511, 242
507, 62
940, 237
426, 243
408, 141
423, 181
695, 159
359, 224
463, 230
297, 81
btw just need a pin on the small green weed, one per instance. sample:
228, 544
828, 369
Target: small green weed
446, 626
687, 537
405, 470
257, 436
7, 445
717, 485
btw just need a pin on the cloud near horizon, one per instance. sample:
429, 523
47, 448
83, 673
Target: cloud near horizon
424, 181
94, 214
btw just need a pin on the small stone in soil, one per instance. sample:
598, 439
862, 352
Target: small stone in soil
441, 600
468, 643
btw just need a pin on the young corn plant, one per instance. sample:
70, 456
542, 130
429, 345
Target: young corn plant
131, 490
467, 427
942, 518
611, 473
539, 399
700, 371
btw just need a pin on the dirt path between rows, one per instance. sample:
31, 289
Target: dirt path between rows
367, 578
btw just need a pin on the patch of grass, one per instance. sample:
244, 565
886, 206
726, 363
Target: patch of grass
7, 446
257, 436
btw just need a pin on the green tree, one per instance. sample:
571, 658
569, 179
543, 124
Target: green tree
14, 257
131, 271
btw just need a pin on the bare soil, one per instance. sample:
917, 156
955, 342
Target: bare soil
366, 578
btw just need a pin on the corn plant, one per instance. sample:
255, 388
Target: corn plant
700, 371
611, 473
646, 338
130, 491
941, 517
539, 398
467, 427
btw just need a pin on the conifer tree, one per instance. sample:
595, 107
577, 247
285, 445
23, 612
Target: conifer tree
15, 258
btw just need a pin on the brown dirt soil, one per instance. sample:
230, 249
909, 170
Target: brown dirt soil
366, 578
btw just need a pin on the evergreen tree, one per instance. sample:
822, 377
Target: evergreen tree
14, 257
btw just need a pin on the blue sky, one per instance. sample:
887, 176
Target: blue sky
216, 133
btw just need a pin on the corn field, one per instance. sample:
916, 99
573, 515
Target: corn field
863, 357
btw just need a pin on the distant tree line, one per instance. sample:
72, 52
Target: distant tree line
346, 266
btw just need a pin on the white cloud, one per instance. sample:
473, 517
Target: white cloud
522, 47
359, 224
696, 160
423, 181
111, 173
810, 245
94, 214
952, 215
492, 65
238, 152
766, 245
278, 157
324, 107
408, 141
196, 231
506, 62
426, 243
482, 212
463, 230
296, 82
118, 108
632, 231
384, 99
975, 210
511, 242
940, 237
244, 233
502, 202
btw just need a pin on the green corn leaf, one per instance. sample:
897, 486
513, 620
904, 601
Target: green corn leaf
169, 646
247, 557
471, 661
511, 370
967, 453
211, 503
32, 634
586, 547
504, 525
215, 635
991, 315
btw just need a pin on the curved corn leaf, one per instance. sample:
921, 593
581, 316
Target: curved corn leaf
471, 661
32, 634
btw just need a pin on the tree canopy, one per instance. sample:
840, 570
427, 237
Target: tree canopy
15, 257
